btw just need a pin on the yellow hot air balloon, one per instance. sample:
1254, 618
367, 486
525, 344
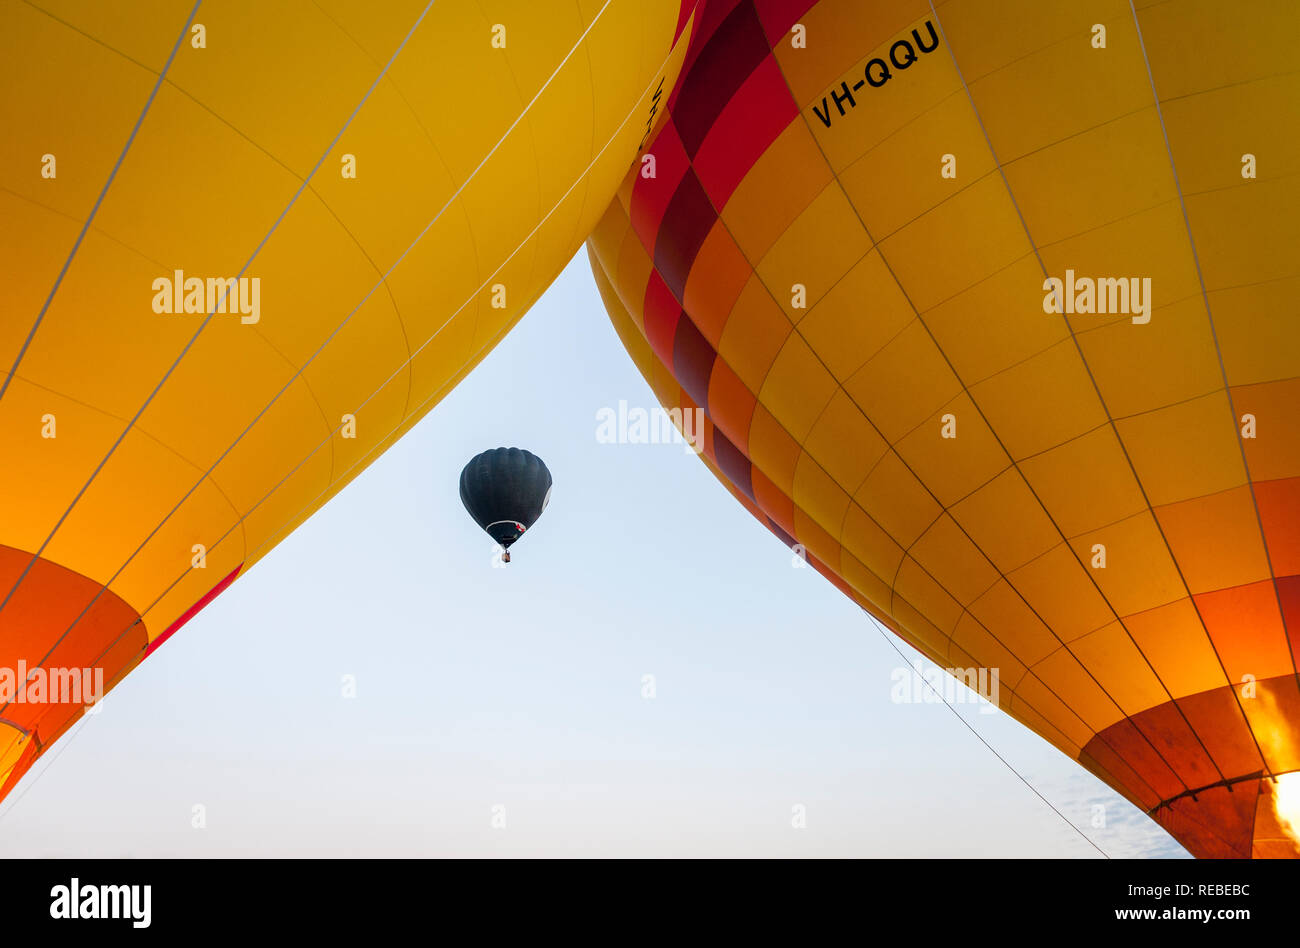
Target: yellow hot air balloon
991, 306
246, 246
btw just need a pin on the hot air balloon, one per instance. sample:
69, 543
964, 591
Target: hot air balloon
505, 490
246, 246
991, 307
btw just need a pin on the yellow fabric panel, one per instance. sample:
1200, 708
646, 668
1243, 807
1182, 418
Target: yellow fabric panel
1148, 243
131, 345
1065, 83
1171, 360
1232, 247
1210, 133
145, 36
1185, 43
375, 32
980, 348
893, 497
438, 315
1000, 33
947, 554
58, 464
1006, 499
843, 442
904, 383
797, 387
846, 345
947, 129
976, 233
47, 69
797, 257
1063, 593
1086, 482
953, 467
1139, 573
186, 169
1117, 169
256, 73
1064, 406
384, 208
1186, 450
25, 252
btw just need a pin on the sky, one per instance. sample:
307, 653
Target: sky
375, 686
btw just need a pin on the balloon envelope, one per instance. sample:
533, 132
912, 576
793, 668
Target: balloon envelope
992, 312
243, 254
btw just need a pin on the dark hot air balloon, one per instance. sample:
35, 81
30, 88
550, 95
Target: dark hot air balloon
505, 490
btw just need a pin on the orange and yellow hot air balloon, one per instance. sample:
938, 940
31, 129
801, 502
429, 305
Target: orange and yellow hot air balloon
991, 305
246, 246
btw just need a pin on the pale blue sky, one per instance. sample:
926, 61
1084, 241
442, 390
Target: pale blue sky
521, 687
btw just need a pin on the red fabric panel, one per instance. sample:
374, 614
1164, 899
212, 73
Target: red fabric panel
747, 125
